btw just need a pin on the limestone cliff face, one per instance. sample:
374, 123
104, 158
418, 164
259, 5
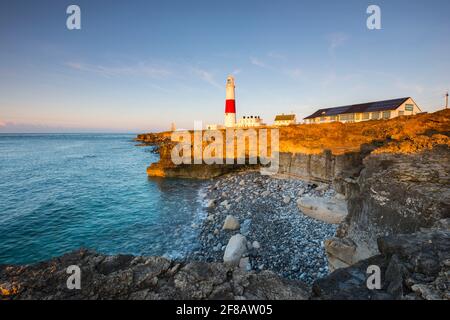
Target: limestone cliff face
315, 167
166, 168
394, 194
321, 167
327, 152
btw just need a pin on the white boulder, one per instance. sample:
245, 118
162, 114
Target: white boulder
234, 250
330, 210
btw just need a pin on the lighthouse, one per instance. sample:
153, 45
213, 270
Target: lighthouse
230, 104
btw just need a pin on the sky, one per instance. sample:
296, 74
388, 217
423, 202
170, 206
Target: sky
137, 66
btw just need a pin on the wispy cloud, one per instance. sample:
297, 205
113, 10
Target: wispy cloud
140, 69
336, 40
276, 55
398, 81
257, 62
409, 87
206, 76
332, 78
294, 73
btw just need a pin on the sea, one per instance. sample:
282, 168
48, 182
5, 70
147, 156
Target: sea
62, 192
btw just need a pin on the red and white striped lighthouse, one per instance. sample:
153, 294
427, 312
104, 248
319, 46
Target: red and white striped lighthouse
230, 104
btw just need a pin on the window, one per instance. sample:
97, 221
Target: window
366, 116
409, 107
386, 114
347, 117
401, 113
333, 118
375, 115
322, 119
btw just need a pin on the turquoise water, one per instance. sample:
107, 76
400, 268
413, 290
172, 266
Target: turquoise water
62, 192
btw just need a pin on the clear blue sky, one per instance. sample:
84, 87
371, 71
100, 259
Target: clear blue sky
139, 65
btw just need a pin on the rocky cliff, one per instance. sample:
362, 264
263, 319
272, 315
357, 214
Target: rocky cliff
166, 168
413, 266
394, 194
326, 152
129, 277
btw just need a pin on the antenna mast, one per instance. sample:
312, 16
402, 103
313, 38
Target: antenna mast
446, 100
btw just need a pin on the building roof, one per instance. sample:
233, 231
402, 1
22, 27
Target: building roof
282, 117
359, 108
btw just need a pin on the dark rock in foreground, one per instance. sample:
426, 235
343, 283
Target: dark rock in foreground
413, 266
129, 277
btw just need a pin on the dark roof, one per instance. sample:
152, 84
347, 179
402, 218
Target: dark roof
281, 117
358, 108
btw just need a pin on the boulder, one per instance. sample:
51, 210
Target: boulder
236, 247
265, 194
342, 252
244, 264
231, 223
340, 196
286, 199
322, 187
245, 227
256, 245
330, 210
211, 203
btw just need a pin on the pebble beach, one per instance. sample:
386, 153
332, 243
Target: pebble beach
261, 213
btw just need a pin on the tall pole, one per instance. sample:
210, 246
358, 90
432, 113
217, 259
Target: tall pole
446, 100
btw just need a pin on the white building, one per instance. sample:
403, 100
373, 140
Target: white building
249, 121
376, 110
285, 119
214, 127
